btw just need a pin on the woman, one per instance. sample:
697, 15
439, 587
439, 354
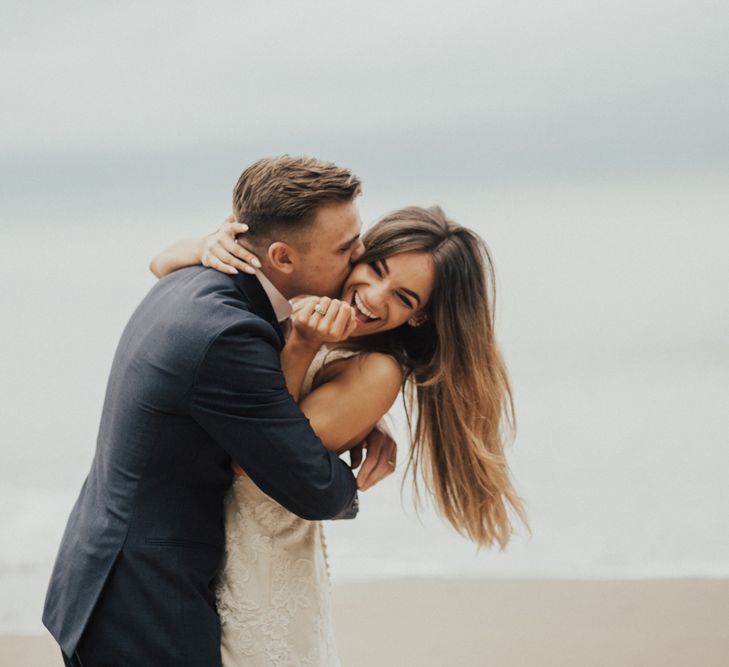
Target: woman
416, 314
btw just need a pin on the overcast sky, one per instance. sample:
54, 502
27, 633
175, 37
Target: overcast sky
154, 93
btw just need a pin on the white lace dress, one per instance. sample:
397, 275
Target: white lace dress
273, 590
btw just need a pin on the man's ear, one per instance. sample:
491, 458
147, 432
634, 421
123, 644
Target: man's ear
282, 256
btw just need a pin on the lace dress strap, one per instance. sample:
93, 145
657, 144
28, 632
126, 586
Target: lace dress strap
325, 355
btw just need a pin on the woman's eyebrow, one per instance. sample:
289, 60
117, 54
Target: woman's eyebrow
412, 294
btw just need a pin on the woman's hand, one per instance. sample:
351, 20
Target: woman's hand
319, 320
222, 252
315, 321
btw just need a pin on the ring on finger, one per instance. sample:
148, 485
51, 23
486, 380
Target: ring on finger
320, 309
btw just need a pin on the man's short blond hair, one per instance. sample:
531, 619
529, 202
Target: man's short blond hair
278, 197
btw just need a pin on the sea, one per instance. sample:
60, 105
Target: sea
612, 313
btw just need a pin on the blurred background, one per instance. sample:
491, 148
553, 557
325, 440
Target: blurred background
586, 141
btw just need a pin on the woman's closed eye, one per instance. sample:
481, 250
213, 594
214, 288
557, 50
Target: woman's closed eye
380, 271
405, 300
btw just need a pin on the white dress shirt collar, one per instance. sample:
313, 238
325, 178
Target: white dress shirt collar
281, 307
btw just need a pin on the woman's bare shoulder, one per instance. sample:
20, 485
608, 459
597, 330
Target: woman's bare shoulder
374, 367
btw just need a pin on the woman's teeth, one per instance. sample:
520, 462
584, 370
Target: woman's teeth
361, 313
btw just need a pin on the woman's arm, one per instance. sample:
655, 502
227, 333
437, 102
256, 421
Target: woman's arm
218, 250
345, 409
186, 252
296, 357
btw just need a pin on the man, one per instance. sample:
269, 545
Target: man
195, 386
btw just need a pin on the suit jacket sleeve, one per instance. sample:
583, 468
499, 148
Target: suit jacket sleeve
240, 398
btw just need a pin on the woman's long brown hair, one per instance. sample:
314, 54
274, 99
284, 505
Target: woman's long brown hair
457, 393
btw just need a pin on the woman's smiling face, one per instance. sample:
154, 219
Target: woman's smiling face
388, 292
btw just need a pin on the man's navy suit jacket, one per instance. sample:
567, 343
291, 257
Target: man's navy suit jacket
195, 384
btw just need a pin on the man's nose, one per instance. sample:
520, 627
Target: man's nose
357, 252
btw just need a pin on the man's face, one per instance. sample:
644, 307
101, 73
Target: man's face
334, 246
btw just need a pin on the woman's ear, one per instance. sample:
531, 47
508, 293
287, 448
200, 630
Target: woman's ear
417, 320
281, 256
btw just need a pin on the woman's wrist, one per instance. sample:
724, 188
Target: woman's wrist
296, 357
302, 345
201, 247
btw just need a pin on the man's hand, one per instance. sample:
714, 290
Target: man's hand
380, 462
355, 456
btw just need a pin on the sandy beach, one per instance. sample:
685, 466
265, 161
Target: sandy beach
469, 623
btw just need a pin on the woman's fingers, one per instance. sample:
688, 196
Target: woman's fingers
246, 255
334, 321
381, 457
316, 315
324, 320
208, 259
342, 321
351, 327
383, 468
325, 324
232, 229
230, 260
235, 248
242, 257
368, 466
229, 253
355, 456
306, 309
